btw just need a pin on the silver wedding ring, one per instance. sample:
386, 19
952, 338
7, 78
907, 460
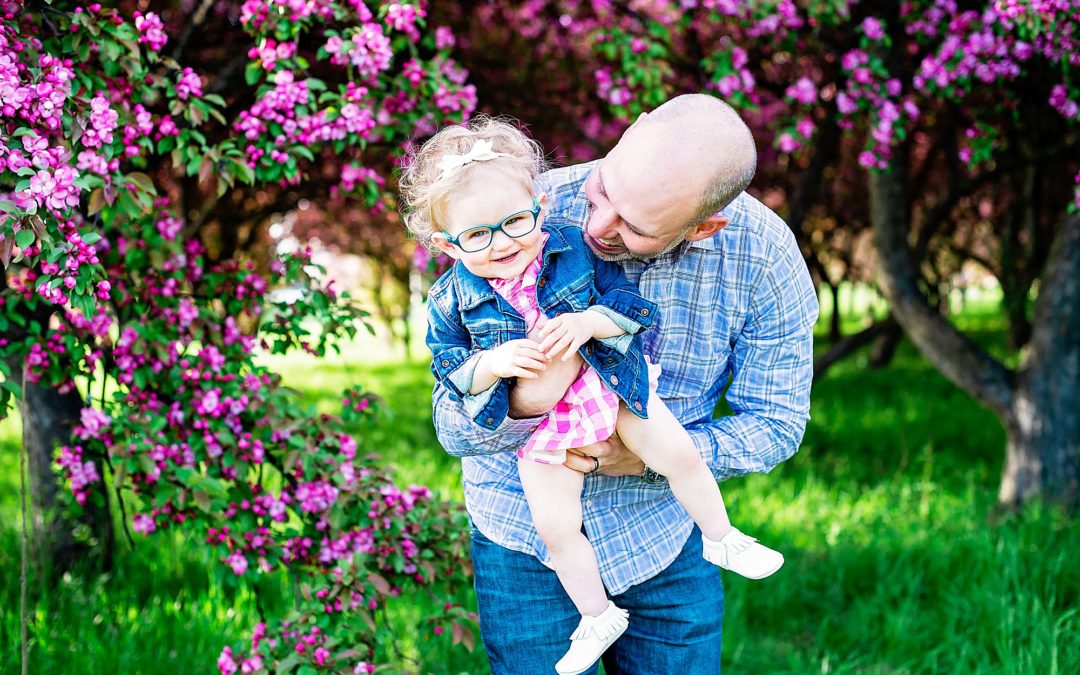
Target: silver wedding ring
596, 465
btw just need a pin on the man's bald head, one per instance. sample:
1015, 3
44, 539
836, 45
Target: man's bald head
668, 175
715, 140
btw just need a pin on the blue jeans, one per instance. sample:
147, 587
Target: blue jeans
526, 617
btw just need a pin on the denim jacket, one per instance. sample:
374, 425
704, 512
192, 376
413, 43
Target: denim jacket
467, 316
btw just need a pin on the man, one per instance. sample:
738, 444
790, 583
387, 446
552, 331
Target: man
736, 302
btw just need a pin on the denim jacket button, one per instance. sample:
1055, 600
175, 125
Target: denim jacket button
542, 282
588, 349
614, 379
644, 311
637, 406
446, 363
490, 420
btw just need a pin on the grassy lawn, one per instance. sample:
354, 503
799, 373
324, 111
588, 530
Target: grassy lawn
896, 563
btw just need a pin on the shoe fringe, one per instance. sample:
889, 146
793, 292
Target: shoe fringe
602, 629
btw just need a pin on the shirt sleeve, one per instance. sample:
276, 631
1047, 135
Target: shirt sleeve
772, 371
460, 436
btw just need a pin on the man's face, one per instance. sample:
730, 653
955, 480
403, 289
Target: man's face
642, 198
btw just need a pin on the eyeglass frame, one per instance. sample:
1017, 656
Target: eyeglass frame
498, 227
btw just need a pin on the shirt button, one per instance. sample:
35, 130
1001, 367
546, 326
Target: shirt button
637, 406
614, 380
588, 502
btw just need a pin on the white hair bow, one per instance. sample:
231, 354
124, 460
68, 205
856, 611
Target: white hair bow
480, 152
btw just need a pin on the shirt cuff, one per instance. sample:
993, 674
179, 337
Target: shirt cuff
462, 378
618, 342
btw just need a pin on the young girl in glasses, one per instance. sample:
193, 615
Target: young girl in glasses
525, 292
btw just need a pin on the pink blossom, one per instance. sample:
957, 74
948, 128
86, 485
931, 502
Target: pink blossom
188, 85
143, 524
151, 30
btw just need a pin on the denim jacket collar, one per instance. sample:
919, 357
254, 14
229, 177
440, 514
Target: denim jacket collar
473, 290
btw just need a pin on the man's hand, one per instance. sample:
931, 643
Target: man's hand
566, 333
516, 358
615, 458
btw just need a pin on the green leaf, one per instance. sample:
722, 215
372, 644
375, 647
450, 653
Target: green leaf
13, 387
253, 72
25, 238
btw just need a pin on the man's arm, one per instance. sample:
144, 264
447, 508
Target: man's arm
772, 364
460, 436
772, 371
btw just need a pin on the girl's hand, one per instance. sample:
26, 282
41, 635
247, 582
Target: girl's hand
516, 358
567, 333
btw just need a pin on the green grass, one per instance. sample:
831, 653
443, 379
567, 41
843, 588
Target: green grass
896, 563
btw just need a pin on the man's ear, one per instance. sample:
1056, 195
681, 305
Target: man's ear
640, 118
439, 239
708, 228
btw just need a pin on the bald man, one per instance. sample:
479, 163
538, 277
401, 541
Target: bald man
736, 304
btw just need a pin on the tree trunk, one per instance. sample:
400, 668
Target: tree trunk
1043, 452
1038, 404
48, 418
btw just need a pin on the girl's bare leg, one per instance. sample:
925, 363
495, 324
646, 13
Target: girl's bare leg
662, 443
553, 492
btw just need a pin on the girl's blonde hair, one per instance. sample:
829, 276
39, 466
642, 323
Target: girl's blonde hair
426, 189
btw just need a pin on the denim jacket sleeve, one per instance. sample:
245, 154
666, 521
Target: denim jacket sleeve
618, 296
453, 363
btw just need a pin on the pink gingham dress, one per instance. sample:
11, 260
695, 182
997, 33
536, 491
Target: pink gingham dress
588, 410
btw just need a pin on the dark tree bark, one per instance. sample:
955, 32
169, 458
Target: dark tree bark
847, 345
1037, 404
48, 418
1042, 457
886, 344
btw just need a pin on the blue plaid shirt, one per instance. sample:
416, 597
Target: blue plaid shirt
738, 306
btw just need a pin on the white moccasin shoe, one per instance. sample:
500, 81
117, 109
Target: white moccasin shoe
742, 554
591, 639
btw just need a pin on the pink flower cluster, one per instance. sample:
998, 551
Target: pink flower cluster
403, 17
81, 473
188, 84
102, 123
151, 30
871, 90
270, 51
366, 48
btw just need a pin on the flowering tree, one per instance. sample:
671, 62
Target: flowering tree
946, 130
127, 173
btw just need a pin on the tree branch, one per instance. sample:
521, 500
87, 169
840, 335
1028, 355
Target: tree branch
960, 359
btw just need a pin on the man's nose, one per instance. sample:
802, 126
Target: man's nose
602, 223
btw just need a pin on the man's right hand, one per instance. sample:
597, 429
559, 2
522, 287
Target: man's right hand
534, 397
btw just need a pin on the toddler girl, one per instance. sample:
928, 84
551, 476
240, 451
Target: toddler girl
525, 293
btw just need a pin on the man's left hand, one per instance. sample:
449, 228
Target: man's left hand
615, 458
